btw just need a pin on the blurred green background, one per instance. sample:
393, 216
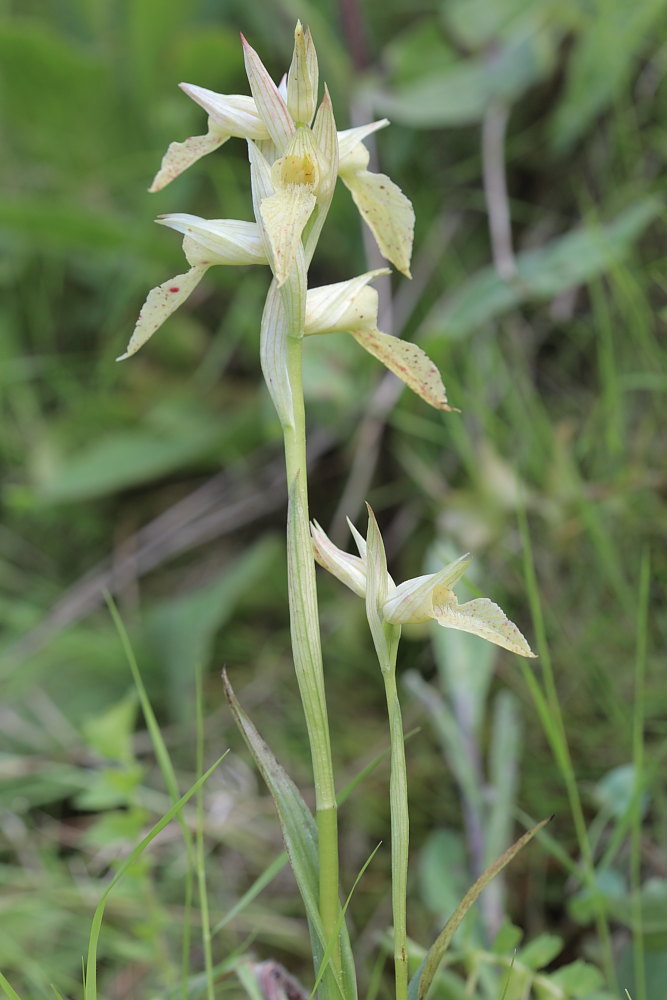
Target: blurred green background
159, 480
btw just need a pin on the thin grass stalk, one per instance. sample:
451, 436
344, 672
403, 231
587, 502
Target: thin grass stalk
557, 736
638, 764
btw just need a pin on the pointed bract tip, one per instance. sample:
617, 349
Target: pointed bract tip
122, 357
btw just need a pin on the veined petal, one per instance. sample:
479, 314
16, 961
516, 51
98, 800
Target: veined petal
350, 138
483, 618
387, 212
237, 114
326, 137
225, 241
406, 360
181, 155
160, 304
284, 215
359, 539
349, 569
346, 305
270, 105
303, 76
412, 601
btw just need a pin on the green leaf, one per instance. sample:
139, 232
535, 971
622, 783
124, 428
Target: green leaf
425, 974
110, 732
461, 93
180, 632
566, 262
577, 979
300, 837
603, 60
542, 950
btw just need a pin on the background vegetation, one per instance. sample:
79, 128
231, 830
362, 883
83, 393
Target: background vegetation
160, 481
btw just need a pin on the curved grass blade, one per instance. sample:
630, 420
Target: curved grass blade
425, 974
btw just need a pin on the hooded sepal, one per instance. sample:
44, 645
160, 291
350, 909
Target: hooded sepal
349, 569
412, 601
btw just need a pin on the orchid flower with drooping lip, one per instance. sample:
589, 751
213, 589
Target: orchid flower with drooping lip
424, 598
270, 118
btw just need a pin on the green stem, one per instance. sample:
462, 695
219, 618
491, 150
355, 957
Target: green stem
400, 831
308, 656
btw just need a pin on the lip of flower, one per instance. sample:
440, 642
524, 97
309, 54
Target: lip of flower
205, 243
423, 598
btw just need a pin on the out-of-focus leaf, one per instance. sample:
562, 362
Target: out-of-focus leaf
577, 979
179, 632
110, 732
49, 224
55, 95
461, 93
540, 951
566, 262
477, 23
129, 458
615, 792
602, 62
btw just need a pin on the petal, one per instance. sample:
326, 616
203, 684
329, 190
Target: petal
350, 138
160, 304
377, 577
326, 137
359, 539
181, 155
349, 569
485, 619
270, 105
225, 241
285, 215
303, 76
237, 114
386, 211
346, 305
412, 601
409, 362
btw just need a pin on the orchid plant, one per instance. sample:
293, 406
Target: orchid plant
295, 157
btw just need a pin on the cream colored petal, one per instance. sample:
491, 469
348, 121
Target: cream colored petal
284, 215
160, 304
387, 212
219, 241
181, 155
349, 138
409, 362
346, 305
483, 618
412, 601
324, 132
237, 114
359, 539
349, 569
270, 105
